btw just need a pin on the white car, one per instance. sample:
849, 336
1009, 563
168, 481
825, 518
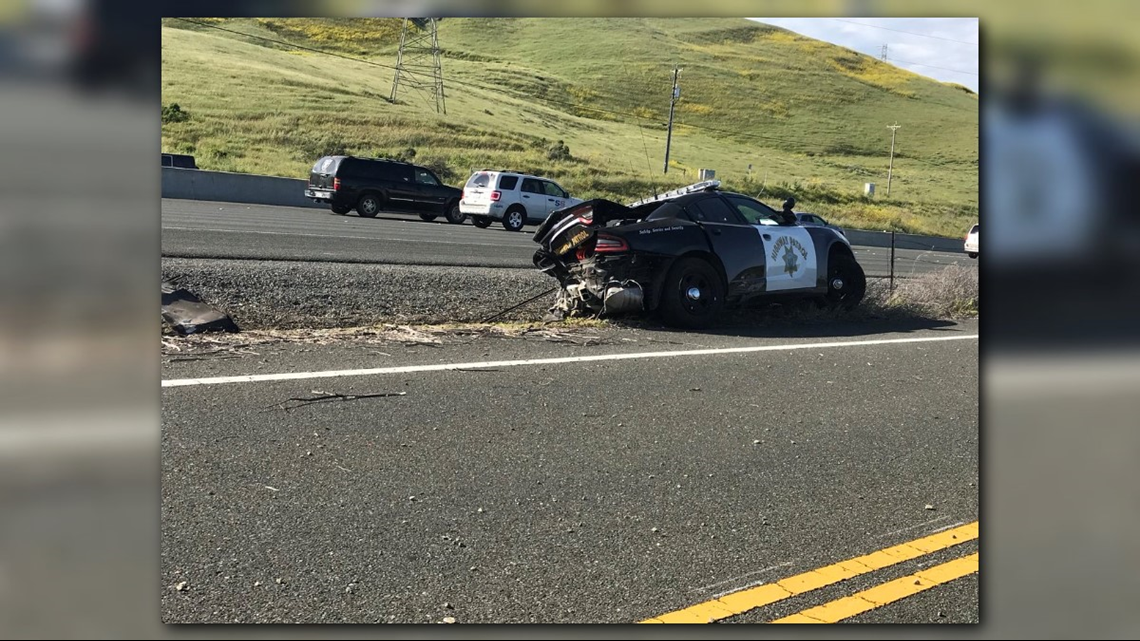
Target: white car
513, 198
971, 244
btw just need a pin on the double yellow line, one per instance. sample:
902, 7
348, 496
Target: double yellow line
740, 602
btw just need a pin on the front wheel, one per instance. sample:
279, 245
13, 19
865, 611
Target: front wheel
427, 217
454, 216
973, 254
514, 219
481, 222
340, 209
692, 295
846, 282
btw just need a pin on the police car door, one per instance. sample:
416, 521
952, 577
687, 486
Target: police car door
789, 252
734, 241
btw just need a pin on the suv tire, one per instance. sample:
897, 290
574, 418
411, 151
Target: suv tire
369, 205
514, 219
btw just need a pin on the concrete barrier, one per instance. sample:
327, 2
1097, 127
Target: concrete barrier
196, 184
904, 241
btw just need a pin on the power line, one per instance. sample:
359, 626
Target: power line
913, 33
923, 64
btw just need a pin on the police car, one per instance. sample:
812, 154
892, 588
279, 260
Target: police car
688, 253
512, 198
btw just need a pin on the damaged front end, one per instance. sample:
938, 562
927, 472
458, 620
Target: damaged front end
597, 273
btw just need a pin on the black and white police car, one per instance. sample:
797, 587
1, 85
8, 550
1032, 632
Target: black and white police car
688, 253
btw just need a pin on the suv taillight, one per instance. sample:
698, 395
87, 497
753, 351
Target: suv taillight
495, 195
336, 184
607, 244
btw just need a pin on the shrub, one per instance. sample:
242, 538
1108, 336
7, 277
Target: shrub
173, 113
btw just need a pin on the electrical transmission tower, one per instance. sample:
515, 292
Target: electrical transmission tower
883, 55
417, 61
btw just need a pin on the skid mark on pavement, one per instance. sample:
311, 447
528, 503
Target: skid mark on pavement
742, 601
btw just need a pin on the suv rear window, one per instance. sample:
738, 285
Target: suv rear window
508, 182
481, 179
326, 165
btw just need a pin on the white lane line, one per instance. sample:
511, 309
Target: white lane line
375, 238
408, 369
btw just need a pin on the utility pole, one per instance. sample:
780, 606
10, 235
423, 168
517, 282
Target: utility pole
891, 167
672, 103
883, 55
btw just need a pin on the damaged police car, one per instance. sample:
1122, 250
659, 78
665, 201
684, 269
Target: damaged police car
688, 253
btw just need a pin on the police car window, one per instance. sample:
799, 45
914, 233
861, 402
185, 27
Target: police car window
553, 190
713, 210
508, 182
480, 180
756, 213
424, 177
531, 185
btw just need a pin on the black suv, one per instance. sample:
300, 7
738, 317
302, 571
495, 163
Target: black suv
372, 185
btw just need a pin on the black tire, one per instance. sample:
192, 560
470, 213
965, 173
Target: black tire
973, 254
481, 221
427, 217
514, 219
341, 209
454, 216
680, 306
846, 282
369, 205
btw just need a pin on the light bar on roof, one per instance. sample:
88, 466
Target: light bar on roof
680, 191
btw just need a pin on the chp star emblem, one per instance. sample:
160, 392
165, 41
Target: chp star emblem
791, 261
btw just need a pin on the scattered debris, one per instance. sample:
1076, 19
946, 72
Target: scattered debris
270, 487
449, 620
929, 506
321, 397
187, 314
182, 586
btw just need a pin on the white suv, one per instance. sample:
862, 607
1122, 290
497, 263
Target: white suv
971, 243
512, 198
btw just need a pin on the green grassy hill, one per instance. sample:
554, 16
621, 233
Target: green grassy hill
809, 117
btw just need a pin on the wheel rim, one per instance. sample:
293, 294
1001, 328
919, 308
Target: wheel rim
696, 293
370, 205
515, 219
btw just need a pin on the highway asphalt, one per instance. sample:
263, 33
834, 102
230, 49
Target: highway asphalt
482, 483
207, 229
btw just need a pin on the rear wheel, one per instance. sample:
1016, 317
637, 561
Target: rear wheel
846, 282
514, 219
481, 221
427, 217
368, 206
692, 295
454, 216
973, 254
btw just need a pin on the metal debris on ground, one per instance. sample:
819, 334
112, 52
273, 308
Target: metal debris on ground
187, 314
323, 397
